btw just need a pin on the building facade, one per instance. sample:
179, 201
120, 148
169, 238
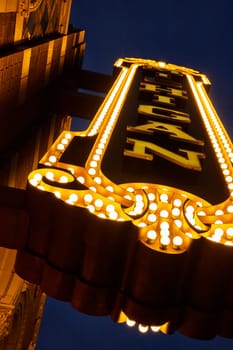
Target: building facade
37, 48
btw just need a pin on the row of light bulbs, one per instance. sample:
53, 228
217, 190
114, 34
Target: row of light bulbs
96, 156
222, 146
143, 328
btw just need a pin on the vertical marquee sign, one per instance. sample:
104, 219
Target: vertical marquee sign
156, 156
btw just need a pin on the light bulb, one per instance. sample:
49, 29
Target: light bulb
98, 204
151, 218
164, 242
88, 198
142, 328
52, 159
151, 236
155, 328
73, 197
177, 242
130, 323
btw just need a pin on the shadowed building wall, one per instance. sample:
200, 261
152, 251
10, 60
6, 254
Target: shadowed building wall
36, 48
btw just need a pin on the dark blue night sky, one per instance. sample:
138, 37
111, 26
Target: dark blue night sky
196, 34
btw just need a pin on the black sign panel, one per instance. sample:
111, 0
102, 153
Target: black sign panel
173, 124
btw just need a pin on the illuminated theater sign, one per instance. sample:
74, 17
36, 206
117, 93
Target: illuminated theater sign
132, 217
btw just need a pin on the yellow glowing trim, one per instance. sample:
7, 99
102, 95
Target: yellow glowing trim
167, 218
141, 327
223, 149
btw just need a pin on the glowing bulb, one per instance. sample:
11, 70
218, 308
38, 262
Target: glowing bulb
91, 171
164, 198
60, 147
188, 234
175, 211
229, 232
230, 209
113, 215
201, 213
71, 170
38, 177
68, 136
92, 188
165, 232
138, 210
130, 189
73, 197
228, 243
63, 179
33, 182
218, 222
177, 202
164, 241
102, 215
142, 328
139, 205
64, 141
109, 188
223, 166
139, 198
128, 197
52, 159
81, 179
151, 218
104, 139
164, 213
130, 323
98, 180
216, 238
151, 236
219, 212
57, 194
190, 218
178, 223
177, 242
153, 206
162, 64
68, 201
91, 208
110, 208
218, 231
151, 196
88, 198
228, 179
93, 164
98, 204
155, 328
142, 224
49, 175
189, 209
164, 225
96, 157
